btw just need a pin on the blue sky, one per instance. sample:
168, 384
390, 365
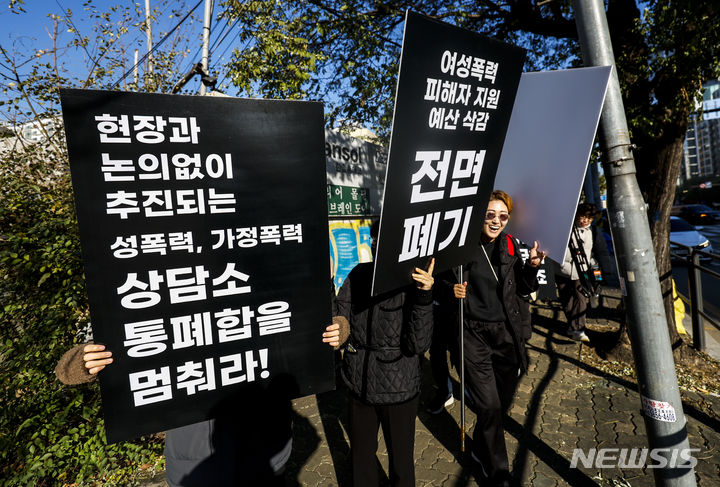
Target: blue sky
29, 32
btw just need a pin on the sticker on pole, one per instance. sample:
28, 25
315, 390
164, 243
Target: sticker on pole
661, 411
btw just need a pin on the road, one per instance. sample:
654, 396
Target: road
710, 285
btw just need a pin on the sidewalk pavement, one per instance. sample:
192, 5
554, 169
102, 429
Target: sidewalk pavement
560, 405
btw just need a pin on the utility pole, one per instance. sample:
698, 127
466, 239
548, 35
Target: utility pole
206, 41
135, 69
654, 364
589, 187
148, 33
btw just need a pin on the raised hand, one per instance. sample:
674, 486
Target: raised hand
424, 279
536, 256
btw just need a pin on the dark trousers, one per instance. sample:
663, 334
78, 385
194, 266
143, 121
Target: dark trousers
491, 373
441, 343
398, 424
573, 301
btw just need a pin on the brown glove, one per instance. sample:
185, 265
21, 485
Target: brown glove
344, 329
71, 368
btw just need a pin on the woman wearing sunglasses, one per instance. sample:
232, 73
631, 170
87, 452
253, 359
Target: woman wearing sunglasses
497, 323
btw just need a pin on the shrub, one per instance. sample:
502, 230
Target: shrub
49, 434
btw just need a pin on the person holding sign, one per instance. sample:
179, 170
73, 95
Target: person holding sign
385, 337
215, 452
496, 325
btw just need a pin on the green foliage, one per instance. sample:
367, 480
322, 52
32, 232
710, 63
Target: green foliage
346, 53
49, 434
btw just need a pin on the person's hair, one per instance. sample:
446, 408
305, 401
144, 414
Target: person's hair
374, 229
504, 197
586, 209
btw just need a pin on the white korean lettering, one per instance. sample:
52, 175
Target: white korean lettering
273, 318
419, 236
191, 331
109, 125
231, 277
426, 170
150, 386
124, 247
140, 299
457, 217
117, 169
196, 376
121, 203
467, 164
145, 338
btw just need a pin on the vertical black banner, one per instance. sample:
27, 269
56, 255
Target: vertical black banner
455, 94
204, 234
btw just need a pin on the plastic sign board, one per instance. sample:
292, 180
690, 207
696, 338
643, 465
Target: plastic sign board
453, 102
546, 152
203, 224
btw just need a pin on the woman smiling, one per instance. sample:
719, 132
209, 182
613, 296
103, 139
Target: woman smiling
497, 323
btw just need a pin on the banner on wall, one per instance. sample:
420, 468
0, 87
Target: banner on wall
349, 245
203, 225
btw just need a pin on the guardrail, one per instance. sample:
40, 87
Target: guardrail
695, 300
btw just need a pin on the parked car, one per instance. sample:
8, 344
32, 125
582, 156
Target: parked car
697, 214
681, 232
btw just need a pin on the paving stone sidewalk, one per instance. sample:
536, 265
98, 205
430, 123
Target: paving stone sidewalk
560, 405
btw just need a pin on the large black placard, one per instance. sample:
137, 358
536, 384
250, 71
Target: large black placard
455, 94
204, 234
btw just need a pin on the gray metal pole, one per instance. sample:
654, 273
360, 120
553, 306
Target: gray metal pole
135, 70
595, 173
696, 301
206, 41
461, 320
148, 33
588, 186
664, 417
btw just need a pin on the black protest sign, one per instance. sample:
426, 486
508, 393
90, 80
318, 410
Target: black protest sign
203, 224
454, 98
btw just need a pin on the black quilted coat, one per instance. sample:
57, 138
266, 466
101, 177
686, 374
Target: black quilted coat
388, 334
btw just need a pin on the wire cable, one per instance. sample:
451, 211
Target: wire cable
156, 46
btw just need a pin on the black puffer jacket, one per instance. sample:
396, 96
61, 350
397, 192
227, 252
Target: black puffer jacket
518, 281
388, 334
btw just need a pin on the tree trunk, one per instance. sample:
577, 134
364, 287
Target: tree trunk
662, 161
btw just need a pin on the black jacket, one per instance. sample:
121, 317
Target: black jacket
388, 334
518, 281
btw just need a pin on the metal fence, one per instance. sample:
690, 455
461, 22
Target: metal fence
695, 300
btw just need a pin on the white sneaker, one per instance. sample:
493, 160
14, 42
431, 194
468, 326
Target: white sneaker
578, 336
